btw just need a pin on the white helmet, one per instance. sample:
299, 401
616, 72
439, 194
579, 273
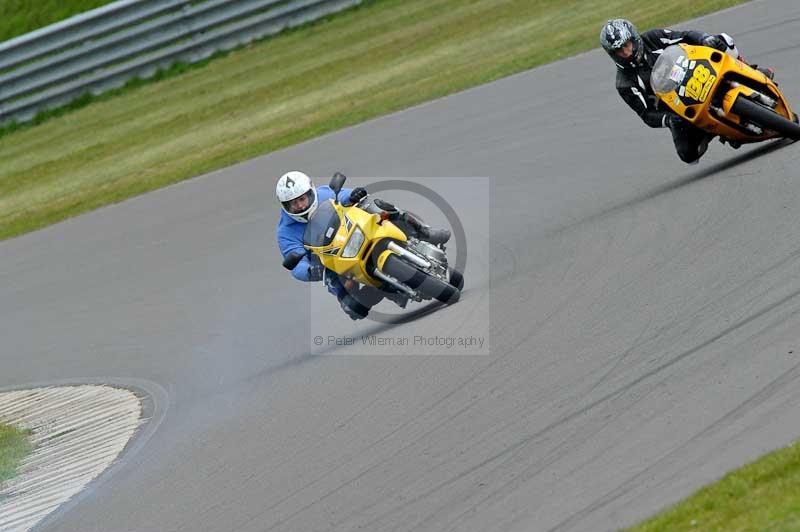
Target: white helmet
291, 186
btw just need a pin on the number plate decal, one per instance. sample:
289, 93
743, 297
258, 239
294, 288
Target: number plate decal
677, 74
698, 86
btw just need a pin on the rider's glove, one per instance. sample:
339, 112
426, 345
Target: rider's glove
357, 194
315, 272
353, 308
715, 41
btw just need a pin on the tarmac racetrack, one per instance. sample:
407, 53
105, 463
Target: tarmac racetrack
641, 320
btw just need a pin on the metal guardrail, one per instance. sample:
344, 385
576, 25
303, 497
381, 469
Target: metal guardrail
104, 48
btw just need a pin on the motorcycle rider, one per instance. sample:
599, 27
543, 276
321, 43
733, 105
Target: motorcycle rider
635, 54
299, 199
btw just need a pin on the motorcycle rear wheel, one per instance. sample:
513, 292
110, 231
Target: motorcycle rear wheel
766, 118
415, 279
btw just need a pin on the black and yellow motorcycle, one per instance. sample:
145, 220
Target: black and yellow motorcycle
722, 95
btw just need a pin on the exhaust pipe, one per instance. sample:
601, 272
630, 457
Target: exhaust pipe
410, 257
394, 282
754, 128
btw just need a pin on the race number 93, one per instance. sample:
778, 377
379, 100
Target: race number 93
698, 86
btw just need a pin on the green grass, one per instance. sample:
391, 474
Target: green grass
762, 496
14, 446
21, 16
384, 56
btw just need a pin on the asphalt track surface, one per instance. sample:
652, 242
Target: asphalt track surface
643, 317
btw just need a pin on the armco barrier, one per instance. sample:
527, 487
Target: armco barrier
102, 49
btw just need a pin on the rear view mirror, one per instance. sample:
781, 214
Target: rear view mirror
337, 182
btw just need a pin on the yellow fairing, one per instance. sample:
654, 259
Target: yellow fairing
730, 97
712, 71
352, 220
382, 259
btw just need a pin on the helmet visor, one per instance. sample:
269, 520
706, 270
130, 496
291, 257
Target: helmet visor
625, 51
301, 203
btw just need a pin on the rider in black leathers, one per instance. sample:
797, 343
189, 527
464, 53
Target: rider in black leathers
635, 54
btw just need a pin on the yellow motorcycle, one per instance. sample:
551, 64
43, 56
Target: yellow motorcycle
722, 95
365, 247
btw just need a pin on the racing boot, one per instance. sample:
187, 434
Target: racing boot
397, 298
767, 71
434, 236
702, 148
407, 221
426, 232
735, 144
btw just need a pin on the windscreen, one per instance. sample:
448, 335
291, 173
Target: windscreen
323, 225
669, 70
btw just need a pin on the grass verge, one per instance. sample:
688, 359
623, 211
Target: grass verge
21, 16
384, 56
14, 446
763, 495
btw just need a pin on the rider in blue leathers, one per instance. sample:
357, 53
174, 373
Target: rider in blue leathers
299, 199
290, 236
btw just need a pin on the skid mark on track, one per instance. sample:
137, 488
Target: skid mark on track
510, 452
783, 382
788, 378
637, 343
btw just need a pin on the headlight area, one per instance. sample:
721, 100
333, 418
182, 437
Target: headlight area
354, 244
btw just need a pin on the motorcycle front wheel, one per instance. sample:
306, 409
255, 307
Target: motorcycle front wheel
766, 118
415, 279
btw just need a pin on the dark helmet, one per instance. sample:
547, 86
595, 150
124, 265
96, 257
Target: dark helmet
615, 34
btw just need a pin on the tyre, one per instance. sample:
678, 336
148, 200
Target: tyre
418, 280
457, 279
766, 118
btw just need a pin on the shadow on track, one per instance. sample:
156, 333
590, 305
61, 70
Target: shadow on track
762, 150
